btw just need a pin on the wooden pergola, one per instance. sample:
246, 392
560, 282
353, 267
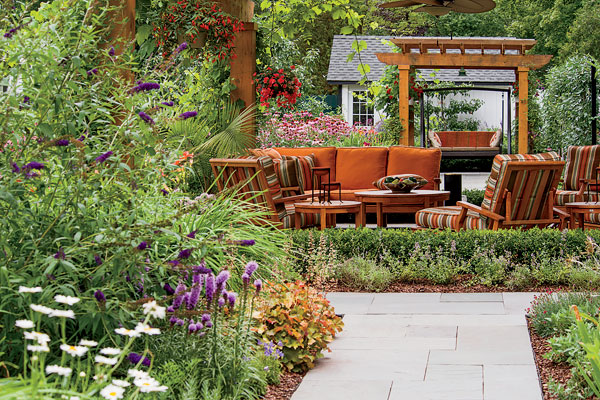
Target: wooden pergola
472, 53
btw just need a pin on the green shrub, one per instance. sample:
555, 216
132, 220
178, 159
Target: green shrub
474, 196
364, 274
551, 312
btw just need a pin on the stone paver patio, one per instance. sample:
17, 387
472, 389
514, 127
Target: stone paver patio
427, 346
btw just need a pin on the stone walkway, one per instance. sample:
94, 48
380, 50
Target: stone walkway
427, 346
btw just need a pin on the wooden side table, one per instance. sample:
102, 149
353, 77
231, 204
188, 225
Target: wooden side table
326, 209
578, 210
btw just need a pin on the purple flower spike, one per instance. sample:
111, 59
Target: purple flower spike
184, 254
245, 242
251, 267
173, 262
181, 47
168, 289
145, 86
135, 358
222, 278
111, 52
210, 287
173, 320
60, 254
171, 309
231, 298
205, 318
208, 324
245, 279
146, 118
15, 168
258, 285
221, 302
93, 71
103, 157
167, 103
192, 328
194, 296
81, 138
98, 259
180, 288
180, 322
199, 326
201, 269
192, 235
177, 302
33, 165
99, 296
164, 192
188, 114
142, 246
62, 142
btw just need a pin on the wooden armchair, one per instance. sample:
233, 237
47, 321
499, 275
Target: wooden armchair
580, 174
520, 193
255, 180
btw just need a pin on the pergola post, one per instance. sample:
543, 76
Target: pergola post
405, 136
523, 78
244, 64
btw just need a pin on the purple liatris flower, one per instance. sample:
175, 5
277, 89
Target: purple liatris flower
142, 246
205, 318
170, 309
210, 287
111, 51
188, 114
185, 253
164, 192
26, 99
168, 289
251, 267
221, 280
98, 259
194, 296
103, 157
145, 86
93, 71
199, 326
180, 288
191, 235
181, 47
192, 328
135, 358
173, 262
197, 279
177, 302
60, 254
246, 279
258, 285
146, 118
167, 103
82, 138
231, 298
62, 142
201, 269
173, 320
99, 296
221, 302
33, 165
245, 242
15, 168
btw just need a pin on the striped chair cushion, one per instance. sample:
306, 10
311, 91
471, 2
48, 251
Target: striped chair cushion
570, 196
582, 162
288, 171
492, 196
271, 175
447, 217
305, 165
305, 219
593, 218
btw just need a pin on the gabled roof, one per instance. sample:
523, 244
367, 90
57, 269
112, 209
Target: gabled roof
343, 72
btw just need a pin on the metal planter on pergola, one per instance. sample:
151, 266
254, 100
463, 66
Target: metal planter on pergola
471, 53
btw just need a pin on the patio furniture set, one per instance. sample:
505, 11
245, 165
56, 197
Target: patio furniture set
308, 186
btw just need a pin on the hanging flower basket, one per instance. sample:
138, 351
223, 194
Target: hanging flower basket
279, 85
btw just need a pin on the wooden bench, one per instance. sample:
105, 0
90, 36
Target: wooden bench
468, 144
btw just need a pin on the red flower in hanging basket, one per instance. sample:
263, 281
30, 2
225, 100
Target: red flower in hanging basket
281, 86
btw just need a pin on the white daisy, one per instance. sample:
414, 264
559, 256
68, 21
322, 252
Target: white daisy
153, 388
63, 314
145, 328
137, 374
88, 343
82, 374
57, 369
110, 351
154, 309
112, 392
39, 337
127, 332
59, 298
75, 351
106, 360
145, 382
41, 309
24, 324
42, 348
24, 289
121, 383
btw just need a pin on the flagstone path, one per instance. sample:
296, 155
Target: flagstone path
427, 346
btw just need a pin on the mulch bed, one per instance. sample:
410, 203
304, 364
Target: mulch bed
547, 369
288, 384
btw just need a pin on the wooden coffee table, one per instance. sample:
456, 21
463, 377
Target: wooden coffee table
326, 209
578, 210
402, 202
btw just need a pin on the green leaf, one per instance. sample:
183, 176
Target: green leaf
350, 57
317, 10
346, 30
143, 33
46, 129
364, 69
265, 4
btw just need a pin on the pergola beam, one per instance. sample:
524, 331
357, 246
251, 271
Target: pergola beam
471, 61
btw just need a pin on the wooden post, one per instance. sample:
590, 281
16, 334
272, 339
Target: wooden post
405, 136
523, 109
122, 33
243, 65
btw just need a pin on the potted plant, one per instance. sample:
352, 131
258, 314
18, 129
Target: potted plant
280, 85
202, 24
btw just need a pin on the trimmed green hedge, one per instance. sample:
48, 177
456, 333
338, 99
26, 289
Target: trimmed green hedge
400, 243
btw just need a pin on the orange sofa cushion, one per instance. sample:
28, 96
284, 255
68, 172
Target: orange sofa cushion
358, 167
415, 160
465, 138
324, 156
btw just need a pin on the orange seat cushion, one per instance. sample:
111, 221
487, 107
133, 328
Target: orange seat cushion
324, 156
465, 138
274, 154
415, 160
358, 167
